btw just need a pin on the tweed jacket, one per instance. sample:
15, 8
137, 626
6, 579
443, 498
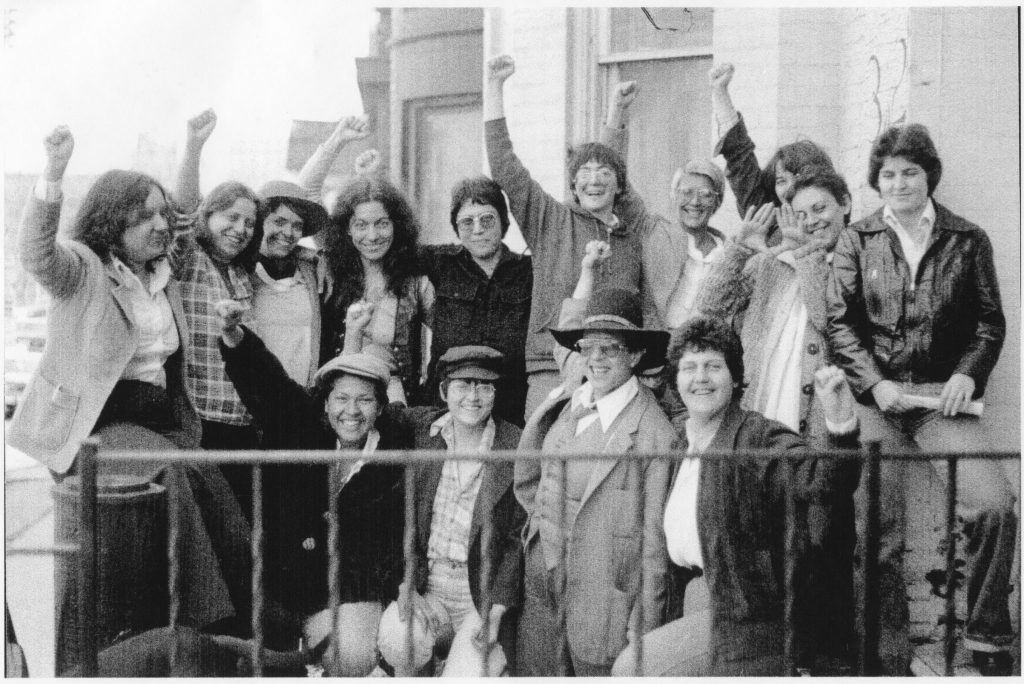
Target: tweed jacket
754, 292
370, 505
603, 556
91, 337
741, 513
884, 326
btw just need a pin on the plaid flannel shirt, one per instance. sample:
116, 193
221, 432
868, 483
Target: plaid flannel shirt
456, 496
202, 286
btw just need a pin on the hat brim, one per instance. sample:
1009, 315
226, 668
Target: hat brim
314, 216
653, 342
473, 373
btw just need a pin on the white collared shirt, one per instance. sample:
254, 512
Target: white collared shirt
608, 407
679, 308
913, 240
372, 439
154, 320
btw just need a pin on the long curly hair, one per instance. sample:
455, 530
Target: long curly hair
114, 203
223, 197
400, 262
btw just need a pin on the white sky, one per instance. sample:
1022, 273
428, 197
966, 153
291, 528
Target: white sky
112, 70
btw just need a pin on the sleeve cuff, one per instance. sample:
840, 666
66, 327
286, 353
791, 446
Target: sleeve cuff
844, 428
47, 191
725, 124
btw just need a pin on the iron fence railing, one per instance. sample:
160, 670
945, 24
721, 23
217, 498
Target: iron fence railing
88, 593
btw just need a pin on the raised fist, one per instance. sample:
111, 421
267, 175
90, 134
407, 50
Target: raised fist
720, 76
59, 145
367, 163
596, 252
500, 68
624, 93
358, 316
352, 128
200, 126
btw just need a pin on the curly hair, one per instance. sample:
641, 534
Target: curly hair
114, 203
793, 157
913, 143
602, 154
343, 259
479, 190
824, 178
222, 198
707, 333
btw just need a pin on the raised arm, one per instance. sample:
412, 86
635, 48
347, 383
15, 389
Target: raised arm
54, 266
570, 363
316, 168
197, 132
729, 284
534, 209
742, 169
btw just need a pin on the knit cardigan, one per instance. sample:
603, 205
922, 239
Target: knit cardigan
752, 291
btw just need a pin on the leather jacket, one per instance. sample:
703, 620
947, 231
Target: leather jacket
884, 326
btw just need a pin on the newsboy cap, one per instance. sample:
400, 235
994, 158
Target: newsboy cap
475, 362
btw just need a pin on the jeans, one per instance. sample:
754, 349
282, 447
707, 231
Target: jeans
984, 498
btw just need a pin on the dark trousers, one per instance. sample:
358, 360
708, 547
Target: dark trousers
543, 649
224, 437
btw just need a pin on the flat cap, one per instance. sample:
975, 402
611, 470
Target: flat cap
475, 362
360, 364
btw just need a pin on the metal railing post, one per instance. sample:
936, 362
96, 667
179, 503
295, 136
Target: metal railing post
789, 572
950, 636
486, 568
868, 664
258, 602
409, 552
88, 571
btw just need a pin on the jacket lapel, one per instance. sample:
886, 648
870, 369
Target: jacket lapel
496, 479
620, 441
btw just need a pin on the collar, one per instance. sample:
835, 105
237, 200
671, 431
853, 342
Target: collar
284, 283
160, 270
372, 440
610, 405
696, 254
445, 427
927, 221
506, 255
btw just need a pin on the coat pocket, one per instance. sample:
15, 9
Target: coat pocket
47, 414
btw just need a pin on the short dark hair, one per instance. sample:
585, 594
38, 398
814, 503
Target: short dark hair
221, 198
824, 178
793, 157
602, 154
707, 333
343, 258
479, 190
114, 204
912, 142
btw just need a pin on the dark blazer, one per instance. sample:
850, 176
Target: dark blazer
370, 506
496, 500
741, 513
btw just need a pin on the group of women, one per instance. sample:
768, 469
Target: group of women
147, 350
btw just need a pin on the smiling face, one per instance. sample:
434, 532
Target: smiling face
371, 230
479, 230
608, 362
903, 185
705, 383
469, 401
352, 409
149, 236
231, 229
595, 185
282, 230
823, 217
697, 200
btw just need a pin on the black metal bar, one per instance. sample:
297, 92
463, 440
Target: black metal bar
868, 665
486, 569
409, 552
950, 645
257, 571
789, 565
174, 561
88, 570
333, 569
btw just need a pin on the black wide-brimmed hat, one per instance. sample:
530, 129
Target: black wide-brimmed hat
618, 312
314, 216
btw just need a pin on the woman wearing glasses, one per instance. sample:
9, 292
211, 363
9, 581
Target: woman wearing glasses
587, 556
483, 291
371, 253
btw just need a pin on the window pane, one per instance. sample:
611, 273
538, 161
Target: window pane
667, 126
632, 31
